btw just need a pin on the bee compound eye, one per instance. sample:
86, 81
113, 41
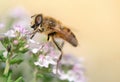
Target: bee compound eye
38, 19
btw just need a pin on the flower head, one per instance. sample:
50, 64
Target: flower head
20, 29
72, 76
15, 42
44, 61
75, 69
48, 56
10, 33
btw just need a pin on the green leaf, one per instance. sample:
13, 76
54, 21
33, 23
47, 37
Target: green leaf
5, 42
47, 77
9, 78
24, 50
16, 61
40, 75
20, 79
1, 52
2, 58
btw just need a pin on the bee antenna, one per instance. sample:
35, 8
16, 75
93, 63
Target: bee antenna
33, 15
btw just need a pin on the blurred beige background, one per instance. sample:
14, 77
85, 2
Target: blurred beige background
96, 24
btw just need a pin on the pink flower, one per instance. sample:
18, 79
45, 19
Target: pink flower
78, 67
44, 61
68, 59
55, 54
20, 29
46, 47
15, 42
74, 74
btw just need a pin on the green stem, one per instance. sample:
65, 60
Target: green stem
7, 67
34, 75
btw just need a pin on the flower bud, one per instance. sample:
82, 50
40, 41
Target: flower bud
15, 42
9, 48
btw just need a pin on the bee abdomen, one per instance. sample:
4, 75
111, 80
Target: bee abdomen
68, 36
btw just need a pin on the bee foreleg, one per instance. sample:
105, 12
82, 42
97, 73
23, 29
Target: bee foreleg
48, 37
32, 35
35, 31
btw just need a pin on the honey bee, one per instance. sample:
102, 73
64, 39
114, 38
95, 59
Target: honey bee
54, 29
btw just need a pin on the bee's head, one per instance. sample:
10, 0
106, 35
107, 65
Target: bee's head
36, 21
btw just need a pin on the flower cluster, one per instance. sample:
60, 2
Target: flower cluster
47, 53
75, 69
16, 34
71, 69
41, 57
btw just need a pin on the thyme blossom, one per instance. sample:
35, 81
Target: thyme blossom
15, 31
75, 72
48, 56
20, 29
10, 33
44, 61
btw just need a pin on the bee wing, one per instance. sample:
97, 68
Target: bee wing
67, 35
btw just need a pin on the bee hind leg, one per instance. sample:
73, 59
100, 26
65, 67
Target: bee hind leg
60, 57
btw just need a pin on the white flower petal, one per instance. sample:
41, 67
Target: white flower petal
10, 33
50, 60
72, 76
35, 50
56, 71
44, 61
36, 63
5, 54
